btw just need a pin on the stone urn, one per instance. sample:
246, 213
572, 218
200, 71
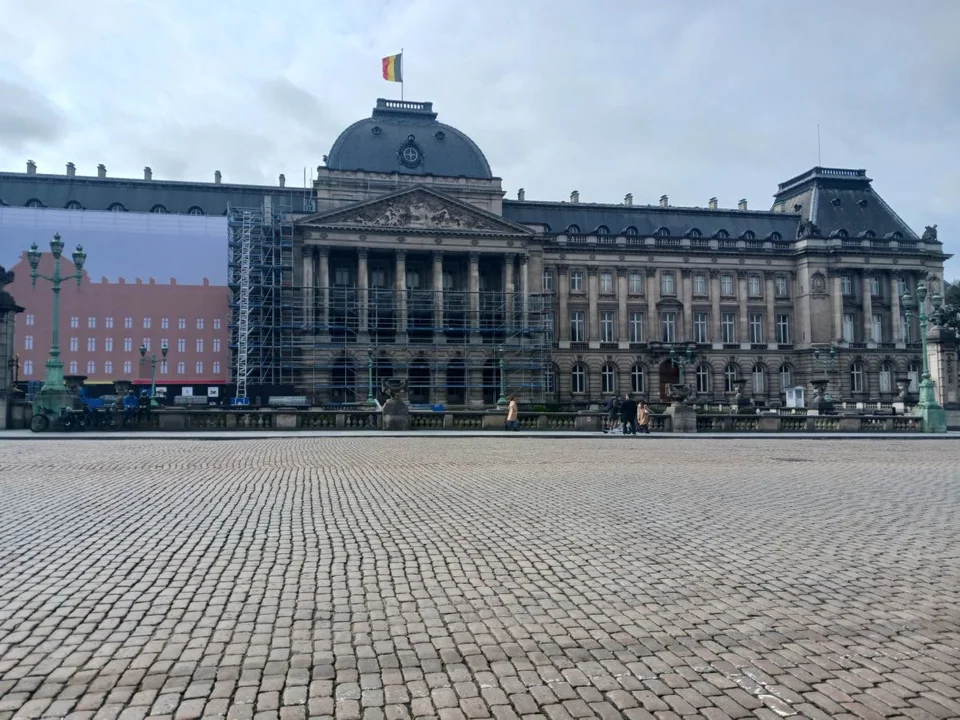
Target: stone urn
819, 400
396, 414
122, 386
683, 417
903, 387
679, 394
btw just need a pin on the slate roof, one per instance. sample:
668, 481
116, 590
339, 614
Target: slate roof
649, 219
840, 200
375, 144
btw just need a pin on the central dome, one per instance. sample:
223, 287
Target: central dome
405, 137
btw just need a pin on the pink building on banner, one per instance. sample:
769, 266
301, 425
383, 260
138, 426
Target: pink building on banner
103, 324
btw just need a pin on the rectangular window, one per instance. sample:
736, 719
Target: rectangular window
667, 284
199, 367
548, 281
199, 323
165, 323
146, 323
108, 367
199, 345
74, 322
700, 328
91, 322
163, 367
728, 328
548, 325
108, 323
577, 333
781, 286
181, 323
901, 287
606, 282
756, 328
74, 344
753, 286
128, 344
726, 285
108, 344
875, 286
846, 285
636, 327
127, 367
164, 343
341, 277
378, 279
848, 334
216, 345
28, 320
91, 344
181, 368
216, 323
607, 334
876, 328
413, 280
700, 285
216, 367
91, 367
783, 329
28, 342
576, 281
145, 344
636, 284
128, 323
668, 327
181, 345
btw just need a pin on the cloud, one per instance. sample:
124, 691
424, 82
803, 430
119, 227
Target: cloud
26, 118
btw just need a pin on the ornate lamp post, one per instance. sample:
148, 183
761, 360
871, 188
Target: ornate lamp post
828, 363
681, 361
502, 400
153, 370
54, 393
371, 399
934, 417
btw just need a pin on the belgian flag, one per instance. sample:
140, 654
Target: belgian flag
393, 68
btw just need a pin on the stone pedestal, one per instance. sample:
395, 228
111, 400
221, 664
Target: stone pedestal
683, 418
942, 358
396, 415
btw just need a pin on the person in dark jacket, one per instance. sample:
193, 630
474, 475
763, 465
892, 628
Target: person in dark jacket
628, 415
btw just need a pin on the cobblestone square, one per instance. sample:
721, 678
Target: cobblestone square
479, 578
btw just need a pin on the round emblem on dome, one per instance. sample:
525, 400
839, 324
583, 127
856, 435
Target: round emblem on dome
376, 130
410, 153
439, 135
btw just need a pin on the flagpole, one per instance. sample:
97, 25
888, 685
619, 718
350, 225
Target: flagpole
401, 74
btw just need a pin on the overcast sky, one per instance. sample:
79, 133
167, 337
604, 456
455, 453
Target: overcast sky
692, 99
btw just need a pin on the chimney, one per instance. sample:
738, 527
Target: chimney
628, 199
147, 173
664, 201
31, 167
521, 194
712, 203
101, 170
575, 196
71, 170
742, 205
216, 177
283, 180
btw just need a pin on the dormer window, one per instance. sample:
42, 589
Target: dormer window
602, 230
662, 232
631, 231
195, 211
694, 233
748, 235
572, 230
158, 209
34, 203
74, 205
722, 234
117, 207
775, 237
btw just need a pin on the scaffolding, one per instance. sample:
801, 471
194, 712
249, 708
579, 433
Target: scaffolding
261, 282
448, 345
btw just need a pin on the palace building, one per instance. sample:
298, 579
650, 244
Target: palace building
405, 259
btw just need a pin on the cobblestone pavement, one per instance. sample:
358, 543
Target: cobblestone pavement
475, 578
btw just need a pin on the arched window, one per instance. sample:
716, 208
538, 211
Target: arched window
74, 205
34, 203
91, 367
694, 233
73, 367
898, 235
856, 377
841, 233
731, 373
572, 230
759, 377
721, 234
602, 230
886, 378
703, 379
195, 211
786, 377
775, 236
869, 234
608, 379
662, 232
117, 207
578, 379
913, 372
749, 235
158, 209
638, 382
631, 231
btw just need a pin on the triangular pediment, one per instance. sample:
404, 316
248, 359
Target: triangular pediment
416, 209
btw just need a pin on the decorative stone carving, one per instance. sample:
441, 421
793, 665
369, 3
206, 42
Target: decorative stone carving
592, 271
741, 274
474, 258
418, 210
818, 284
362, 253
807, 229
562, 269
685, 272
651, 272
621, 271
396, 414
930, 233
714, 273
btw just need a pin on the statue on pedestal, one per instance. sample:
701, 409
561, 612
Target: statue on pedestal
396, 414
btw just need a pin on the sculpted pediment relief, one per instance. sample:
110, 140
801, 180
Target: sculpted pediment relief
418, 210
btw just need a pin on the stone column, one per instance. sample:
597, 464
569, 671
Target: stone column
743, 334
525, 291
653, 295
867, 309
509, 292
593, 310
687, 332
438, 335
770, 294
473, 289
836, 302
400, 287
563, 311
324, 283
309, 292
942, 358
623, 332
363, 293
715, 306
895, 326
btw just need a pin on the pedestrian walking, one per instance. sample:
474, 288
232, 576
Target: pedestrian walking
513, 412
628, 415
643, 418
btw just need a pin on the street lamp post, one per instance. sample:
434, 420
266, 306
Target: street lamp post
828, 363
502, 400
153, 370
54, 393
681, 361
371, 400
934, 416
